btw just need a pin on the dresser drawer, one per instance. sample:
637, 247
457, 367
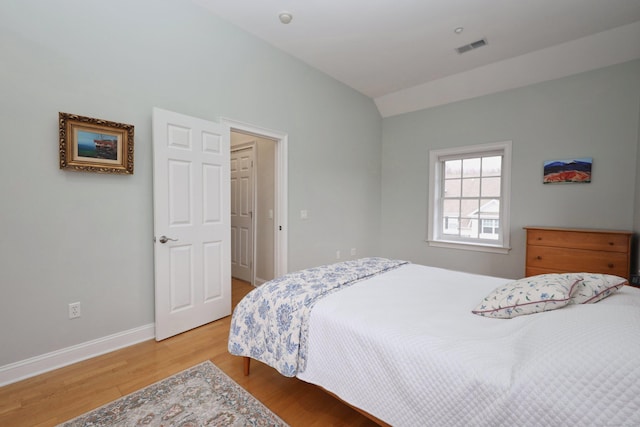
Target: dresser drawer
579, 240
577, 260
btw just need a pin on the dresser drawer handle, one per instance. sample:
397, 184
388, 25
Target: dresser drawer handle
538, 257
610, 265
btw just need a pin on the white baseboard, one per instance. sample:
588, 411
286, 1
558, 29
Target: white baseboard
57, 359
259, 282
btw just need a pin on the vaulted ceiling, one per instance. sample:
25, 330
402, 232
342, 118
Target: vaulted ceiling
402, 53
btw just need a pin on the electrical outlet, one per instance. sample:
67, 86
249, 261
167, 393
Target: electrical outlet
337, 254
74, 310
353, 251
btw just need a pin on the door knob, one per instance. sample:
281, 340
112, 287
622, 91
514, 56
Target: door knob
165, 239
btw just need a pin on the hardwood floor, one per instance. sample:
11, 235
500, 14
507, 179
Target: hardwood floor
56, 396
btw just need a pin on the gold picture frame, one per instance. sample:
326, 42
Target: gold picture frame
95, 145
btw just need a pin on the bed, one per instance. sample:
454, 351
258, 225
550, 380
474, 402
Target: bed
400, 342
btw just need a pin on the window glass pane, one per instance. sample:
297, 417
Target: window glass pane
489, 229
451, 208
469, 227
452, 187
489, 208
492, 166
451, 225
471, 187
491, 187
469, 208
471, 167
452, 169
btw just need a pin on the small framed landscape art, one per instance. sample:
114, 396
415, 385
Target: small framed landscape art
95, 145
568, 171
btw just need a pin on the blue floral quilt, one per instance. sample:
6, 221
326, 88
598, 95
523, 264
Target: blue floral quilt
271, 323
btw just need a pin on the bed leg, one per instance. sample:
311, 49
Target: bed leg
247, 365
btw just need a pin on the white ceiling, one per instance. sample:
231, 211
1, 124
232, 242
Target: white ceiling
384, 47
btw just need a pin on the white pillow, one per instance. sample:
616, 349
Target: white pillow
529, 295
592, 287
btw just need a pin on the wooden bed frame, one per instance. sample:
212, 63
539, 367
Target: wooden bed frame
246, 367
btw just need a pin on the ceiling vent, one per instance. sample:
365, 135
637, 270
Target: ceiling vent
471, 46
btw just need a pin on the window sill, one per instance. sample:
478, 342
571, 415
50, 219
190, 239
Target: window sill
469, 246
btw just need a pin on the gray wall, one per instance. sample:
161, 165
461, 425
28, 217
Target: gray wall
68, 236
594, 114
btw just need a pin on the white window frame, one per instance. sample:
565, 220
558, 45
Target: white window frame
436, 161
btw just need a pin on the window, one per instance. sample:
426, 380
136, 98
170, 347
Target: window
489, 228
469, 197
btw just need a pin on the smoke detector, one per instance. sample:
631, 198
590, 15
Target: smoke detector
285, 17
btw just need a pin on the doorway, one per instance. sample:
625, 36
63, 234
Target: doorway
264, 257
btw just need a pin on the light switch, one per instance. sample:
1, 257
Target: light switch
304, 214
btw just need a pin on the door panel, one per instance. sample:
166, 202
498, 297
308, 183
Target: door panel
213, 271
179, 193
191, 208
181, 281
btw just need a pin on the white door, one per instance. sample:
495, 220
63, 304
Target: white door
242, 213
191, 222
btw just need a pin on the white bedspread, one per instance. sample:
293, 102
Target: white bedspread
413, 354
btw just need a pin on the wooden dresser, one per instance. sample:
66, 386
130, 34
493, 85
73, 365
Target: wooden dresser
568, 250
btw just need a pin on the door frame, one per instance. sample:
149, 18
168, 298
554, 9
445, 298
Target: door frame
281, 187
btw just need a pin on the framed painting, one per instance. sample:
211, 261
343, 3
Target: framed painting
568, 171
95, 145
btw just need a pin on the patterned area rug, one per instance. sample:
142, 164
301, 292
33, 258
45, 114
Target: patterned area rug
199, 396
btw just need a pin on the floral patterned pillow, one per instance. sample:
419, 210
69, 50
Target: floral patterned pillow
594, 287
529, 295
